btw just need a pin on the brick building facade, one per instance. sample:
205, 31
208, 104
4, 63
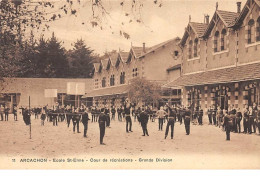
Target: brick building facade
221, 59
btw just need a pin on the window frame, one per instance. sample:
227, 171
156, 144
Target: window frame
250, 31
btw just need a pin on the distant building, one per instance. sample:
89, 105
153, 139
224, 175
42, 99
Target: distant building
16, 91
221, 59
113, 75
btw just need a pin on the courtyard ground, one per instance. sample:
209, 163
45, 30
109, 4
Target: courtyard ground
204, 148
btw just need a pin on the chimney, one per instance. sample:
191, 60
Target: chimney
144, 47
238, 7
207, 19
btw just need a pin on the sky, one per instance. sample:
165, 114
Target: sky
158, 23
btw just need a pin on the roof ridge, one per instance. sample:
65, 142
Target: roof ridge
228, 11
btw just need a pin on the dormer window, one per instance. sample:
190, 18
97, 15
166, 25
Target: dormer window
223, 39
196, 41
216, 38
250, 31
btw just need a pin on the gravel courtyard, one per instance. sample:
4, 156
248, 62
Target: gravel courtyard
204, 148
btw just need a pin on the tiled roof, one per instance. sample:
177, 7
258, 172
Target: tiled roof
113, 58
124, 55
122, 89
96, 66
227, 16
177, 66
226, 75
104, 63
199, 28
138, 51
242, 15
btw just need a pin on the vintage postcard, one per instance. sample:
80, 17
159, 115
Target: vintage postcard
129, 84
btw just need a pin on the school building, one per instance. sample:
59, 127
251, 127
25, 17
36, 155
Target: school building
221, 59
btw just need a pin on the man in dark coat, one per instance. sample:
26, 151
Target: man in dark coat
228, 122
143, 119
102, 125
27, 117
85, 119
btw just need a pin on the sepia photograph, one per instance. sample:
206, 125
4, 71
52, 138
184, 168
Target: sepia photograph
130, 84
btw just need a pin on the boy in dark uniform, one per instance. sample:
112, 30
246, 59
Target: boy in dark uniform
102, 125
258, 118
15, 112
119, 113
93, 114
187, 120
210, 115
214, 115
143, 119
75, 119
97, 112
85, 119
113, 112
228, 122
107, 113
128, 117
200, 115
246, 119
6, 113
2, 110
171, 119
68, 115
238, 120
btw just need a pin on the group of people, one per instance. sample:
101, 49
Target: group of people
229, 120
4, 112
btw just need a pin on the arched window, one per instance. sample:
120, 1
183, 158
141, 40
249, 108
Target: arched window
196, 41
216, 37
112, 80
122, 78
104, 82
250, 32
190, 49
223, 39
258, 29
